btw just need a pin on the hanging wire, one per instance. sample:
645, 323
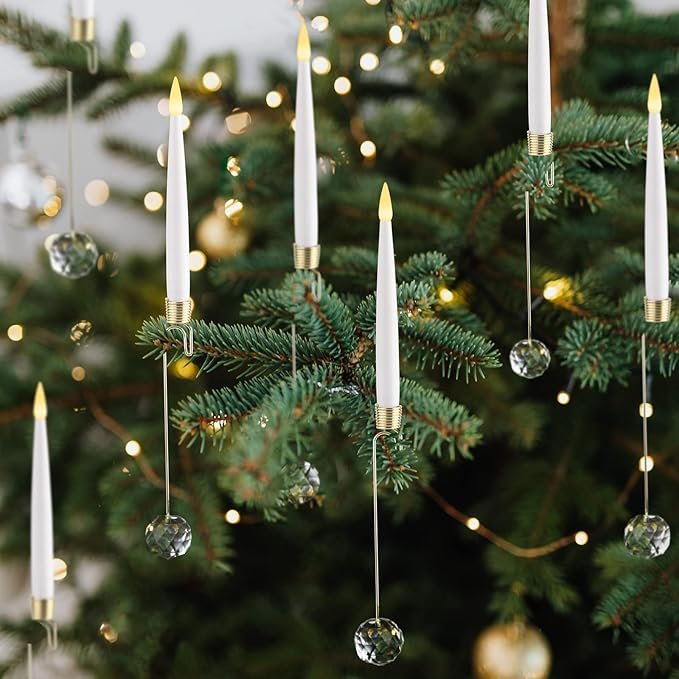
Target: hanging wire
376, 541
166, 430
29, 661
644, 420
69, 135
528, 281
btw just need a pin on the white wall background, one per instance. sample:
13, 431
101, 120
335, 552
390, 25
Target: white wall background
257, 30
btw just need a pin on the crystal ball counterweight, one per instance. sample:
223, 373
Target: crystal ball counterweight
647, 536
306, 483
168, 536
72, 254
378, 641
529, 358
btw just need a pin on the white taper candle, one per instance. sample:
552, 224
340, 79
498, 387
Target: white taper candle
656, 244
82, 9
386, 329
305, 181
42, 548
539, 78
176, 207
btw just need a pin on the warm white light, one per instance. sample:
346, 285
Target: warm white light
232, 517
369, 61
563, 397
342, 85
555, 289
52, 206
232, 207
646, 410
581, 538
321, 65
211, 81
133, 448
437, 67
274, 99
153, 201
646, 464
320, 23
473, 523
197, 260
137, 49
293, 124
368, 149
161, 155
185, 122
373, 2
96, 192
164, 107
15, 332
60, 569
78, 373
396, 35
446, 296
232, 166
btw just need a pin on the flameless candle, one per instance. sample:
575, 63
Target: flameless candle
386, 330
655, 230
305, 181
177, 206
82, 9
42, 550
539, 82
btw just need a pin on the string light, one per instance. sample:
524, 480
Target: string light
342, 85
184, 122
555, 289
52, 206
161, 155
133, 448
153, 201
59, 569
320, 23
473, 523
96, 192
211, 81
197, 260
108, 632
437, 67
446, 296
563, 397
137, 49
373, 2
395, 35
581, 538
232, 207
232, 166
15, 332
293, 126
164, 107
646, 410
369, 61
274, 99
368, 149
184, 370
232, 517
321, 65
646, 464
78, 373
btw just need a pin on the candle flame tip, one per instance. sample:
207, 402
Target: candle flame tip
40, 403
385, 211
654, 98
303, 43
176, 107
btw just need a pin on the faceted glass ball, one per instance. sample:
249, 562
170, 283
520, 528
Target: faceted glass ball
647, 536
378, 641
307, 483
72, 255
168, 536
529, 358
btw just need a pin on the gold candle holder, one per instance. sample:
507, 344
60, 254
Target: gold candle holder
306, 258
82, 30
388, 417
178, 313
657, 310
540, 144
42, 609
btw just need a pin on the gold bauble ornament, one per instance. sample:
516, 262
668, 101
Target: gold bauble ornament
219, 236
514, 651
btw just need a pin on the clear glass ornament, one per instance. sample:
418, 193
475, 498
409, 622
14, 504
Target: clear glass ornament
378, 641
81, 332
28, 191
647, 536
529, 358
306, 484
263, 421
168, 536
72, 254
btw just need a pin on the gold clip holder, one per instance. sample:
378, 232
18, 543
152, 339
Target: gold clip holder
178, 316
540, 144
657, 310
388, 417
306, 258
82, 30
42, 609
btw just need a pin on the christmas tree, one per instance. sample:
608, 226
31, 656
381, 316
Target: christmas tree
502, 500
